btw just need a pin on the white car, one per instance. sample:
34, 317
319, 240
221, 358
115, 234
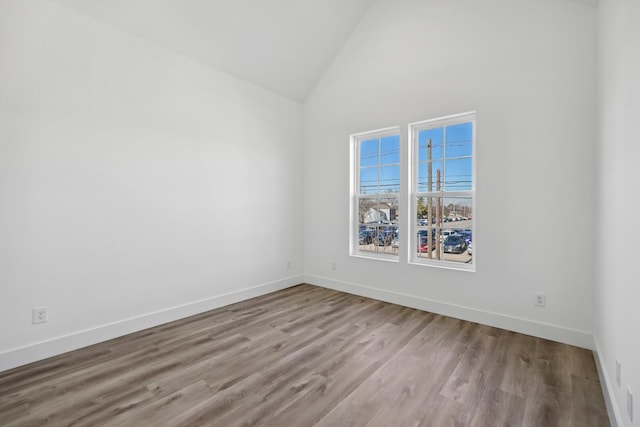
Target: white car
446, 233
469, 248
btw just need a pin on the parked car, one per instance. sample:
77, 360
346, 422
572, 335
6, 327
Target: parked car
469, 248
466, 234
455, 244
446, 233
384, 238
425, 232
423, 244
395, 243
365, 237
422, 238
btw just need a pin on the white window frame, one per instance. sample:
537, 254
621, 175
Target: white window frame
414, 129
355, 195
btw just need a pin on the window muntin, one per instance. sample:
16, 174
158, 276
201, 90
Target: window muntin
375, 194
443, 190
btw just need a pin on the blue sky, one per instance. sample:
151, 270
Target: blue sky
387, 151
453, 158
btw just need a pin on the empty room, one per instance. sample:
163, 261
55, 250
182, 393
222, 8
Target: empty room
319, 212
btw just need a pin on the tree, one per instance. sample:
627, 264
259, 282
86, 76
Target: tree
450, 209
421, 209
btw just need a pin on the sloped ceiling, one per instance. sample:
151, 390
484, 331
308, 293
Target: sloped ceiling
282, 45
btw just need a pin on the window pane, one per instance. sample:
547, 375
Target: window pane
457, 214
390, 179
459, 140
426, 226
369, 152
422, 177
458, 175
378, 227
390, 150
368, 180
454, 220
457, 209
442, 148
436, 143
435, 167
378, 182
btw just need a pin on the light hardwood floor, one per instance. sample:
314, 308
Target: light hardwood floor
308, 356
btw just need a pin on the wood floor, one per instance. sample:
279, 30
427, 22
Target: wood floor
308, 356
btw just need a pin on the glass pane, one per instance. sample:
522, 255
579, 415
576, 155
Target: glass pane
422, 177
378, 226
389, 205
368, 180
390, 150
457, 233
458, 175
426, 217
390, 179
459, 140
435, 167
369, 152
436, 143
448, 222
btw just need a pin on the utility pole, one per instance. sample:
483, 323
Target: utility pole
438, 214
429, 201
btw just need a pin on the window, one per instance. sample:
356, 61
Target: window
375, 183
443, 191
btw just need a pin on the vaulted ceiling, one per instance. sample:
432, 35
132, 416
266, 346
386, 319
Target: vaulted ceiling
282, 45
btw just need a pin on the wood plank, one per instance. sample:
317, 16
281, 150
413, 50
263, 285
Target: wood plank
308, 356
518, 372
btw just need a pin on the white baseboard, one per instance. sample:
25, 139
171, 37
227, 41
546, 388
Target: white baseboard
570, 336
41, 350
607, 387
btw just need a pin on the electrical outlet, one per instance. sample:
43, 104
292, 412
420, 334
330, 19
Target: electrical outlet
618, 367
39, 315
541, 300
630, 403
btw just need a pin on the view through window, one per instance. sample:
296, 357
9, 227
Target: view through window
376, 193
441, 204
443, 190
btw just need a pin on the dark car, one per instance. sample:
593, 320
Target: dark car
385, 238
425, 232
466, 234
365, 237
455, 244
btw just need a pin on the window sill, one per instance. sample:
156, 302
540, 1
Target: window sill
448, 265
377, 257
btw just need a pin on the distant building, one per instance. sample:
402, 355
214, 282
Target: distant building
377, 212
374, 215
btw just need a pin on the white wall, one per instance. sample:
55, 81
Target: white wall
618, 291
136, 185
528, 68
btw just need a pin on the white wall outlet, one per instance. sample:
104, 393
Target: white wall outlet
40, 315
618, 367
630, 403
541, 300
334, 266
